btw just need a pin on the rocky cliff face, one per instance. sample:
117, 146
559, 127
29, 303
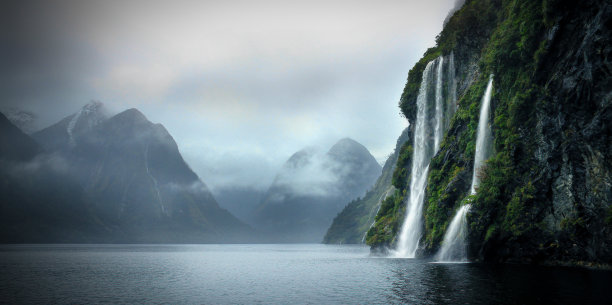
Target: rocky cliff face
546, 193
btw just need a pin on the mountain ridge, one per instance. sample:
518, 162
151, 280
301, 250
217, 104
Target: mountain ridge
138, 183
311, 188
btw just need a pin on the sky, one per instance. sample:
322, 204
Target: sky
240, 85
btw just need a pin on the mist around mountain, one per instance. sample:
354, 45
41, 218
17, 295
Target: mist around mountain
120, 178
39, 200
352, 223
241, 201
311, 188
97, 177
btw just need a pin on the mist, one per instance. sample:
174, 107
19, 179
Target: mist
240, 86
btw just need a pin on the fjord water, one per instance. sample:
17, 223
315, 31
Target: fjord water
276, 274
454, 244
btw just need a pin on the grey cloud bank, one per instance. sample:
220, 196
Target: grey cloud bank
241, 85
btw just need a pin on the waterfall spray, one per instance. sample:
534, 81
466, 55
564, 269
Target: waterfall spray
454, 245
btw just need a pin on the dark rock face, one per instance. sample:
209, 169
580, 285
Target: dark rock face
352, 223
139, 185
546, 193
562, 156
14, 144
573, 135
312, 188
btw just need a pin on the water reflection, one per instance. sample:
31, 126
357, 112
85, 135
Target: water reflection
276, 274
417, 281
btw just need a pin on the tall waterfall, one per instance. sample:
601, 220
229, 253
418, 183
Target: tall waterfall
425, 146
454, 245
451, 100
484, 138
439, 121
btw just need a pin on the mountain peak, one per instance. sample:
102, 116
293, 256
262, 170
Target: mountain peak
14, 144
132, 114
348, 146
93, 106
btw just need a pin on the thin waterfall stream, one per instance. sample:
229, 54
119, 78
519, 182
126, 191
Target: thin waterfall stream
454, 244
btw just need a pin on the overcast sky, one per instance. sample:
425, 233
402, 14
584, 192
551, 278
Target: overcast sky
241, 85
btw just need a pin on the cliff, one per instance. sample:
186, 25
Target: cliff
546, 192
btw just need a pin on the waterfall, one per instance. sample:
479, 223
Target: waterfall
439, 121
454, 244
451, 103
484, 138
426, 144
454, 247
411, 229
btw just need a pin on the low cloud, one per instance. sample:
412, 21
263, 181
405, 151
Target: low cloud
240, 85
43, 162
318, 175
196, 187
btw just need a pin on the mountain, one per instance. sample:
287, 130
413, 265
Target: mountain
545, 192
137, 180
352, 223
14, 144
39, 201
311, 188
24, 120
65, 134
241, 201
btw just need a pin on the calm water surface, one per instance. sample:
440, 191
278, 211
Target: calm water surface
265, 274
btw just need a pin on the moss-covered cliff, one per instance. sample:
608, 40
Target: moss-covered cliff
546, 193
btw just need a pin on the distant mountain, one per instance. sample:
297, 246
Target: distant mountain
24, 120
240, 201
64, 134
137, 180
39, 201
353, 222
14, 144
312, 188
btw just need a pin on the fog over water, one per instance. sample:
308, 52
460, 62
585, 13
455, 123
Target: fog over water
240, 85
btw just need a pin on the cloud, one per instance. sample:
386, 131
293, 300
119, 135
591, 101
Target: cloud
240, 85
317, 175
41, 164
196, 187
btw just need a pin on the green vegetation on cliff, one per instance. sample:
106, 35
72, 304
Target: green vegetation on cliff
546, 192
